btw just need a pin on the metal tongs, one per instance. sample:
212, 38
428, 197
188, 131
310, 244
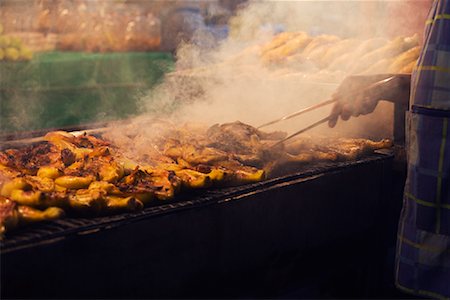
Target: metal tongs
316, 106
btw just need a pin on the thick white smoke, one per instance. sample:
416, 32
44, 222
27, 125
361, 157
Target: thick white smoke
230, 82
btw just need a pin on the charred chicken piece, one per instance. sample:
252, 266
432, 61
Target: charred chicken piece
74, 147
322, 149
122, 204
239, 137
193, 153
38, 199
87, 175
235, 173
97, 164
245, 143
350, 149
29, 159
7, 173
97, 201
192, 179
87, 200
149, 184
63, 138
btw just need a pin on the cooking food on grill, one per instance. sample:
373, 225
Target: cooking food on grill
404, 60
390, 50
342, 148
343, 61
350, 55
13, 215
284, 46
316, 57
127, 169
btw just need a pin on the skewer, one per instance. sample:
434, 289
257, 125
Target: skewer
302, 111
326, 119
323, 103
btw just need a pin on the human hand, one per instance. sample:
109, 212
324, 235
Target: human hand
360, 94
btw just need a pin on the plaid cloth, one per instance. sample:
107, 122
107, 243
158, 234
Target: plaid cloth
423, 244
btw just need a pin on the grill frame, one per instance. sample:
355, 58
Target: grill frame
203, 244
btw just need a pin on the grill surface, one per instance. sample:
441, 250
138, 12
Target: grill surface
54, 231
223, 243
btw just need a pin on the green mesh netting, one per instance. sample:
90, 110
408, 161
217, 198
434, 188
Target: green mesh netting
66, 88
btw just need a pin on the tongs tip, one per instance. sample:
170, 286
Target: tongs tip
297, 113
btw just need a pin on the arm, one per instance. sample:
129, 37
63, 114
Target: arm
357, 96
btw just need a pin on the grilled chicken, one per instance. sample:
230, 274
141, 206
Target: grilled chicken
244, 142
404, 59
29, 159
88, 175
291, 46
297, 51
390, 50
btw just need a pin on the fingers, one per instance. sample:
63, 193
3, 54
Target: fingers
334, 115
368, 105
347, 111
361, 105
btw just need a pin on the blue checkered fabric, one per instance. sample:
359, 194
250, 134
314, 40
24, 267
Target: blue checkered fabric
423, 244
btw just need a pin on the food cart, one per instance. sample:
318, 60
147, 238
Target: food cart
315, 218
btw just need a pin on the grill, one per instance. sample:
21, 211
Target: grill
205, 243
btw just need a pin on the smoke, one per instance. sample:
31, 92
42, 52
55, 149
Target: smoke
218, 82
231, 82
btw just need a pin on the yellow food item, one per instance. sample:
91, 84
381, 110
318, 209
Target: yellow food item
297, 44
279, 40
318, 42
243, 176
30, 198
12, 54
59, 188
338, 49
74, 182
123, 203
14, 184
404, 59
30, 215
344, 62
106, 186
146, 198
64, 140
49, 172
390, 50
89, 200
111, 172
88, 175
217, 175
194, 180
